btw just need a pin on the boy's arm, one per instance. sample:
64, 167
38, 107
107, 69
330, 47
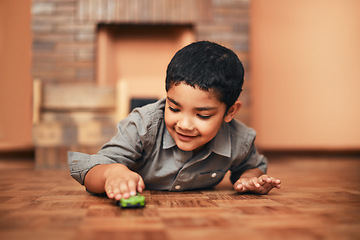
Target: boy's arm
106, 171
254, 180
114, 179
248, 173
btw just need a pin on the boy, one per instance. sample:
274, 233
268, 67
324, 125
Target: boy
188, 140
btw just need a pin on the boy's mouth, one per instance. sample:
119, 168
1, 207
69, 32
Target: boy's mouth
185, 138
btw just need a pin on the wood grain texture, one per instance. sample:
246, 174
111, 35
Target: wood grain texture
319, 199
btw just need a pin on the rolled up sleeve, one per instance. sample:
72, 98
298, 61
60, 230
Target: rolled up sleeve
80, 164
135, 133
245, 153
253, 160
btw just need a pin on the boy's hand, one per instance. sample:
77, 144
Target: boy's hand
120, 182
260, 185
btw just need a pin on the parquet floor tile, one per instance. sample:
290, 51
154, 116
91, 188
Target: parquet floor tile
319, 199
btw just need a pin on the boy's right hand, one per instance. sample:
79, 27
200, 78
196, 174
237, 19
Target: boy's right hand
121, 182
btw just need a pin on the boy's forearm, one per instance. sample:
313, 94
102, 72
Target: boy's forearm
96, 177
254, 172
94, 180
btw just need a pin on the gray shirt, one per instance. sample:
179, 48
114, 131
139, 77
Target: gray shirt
145, 146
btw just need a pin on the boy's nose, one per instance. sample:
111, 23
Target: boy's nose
185, 123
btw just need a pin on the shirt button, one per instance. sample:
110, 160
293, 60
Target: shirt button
213, 175
177, 187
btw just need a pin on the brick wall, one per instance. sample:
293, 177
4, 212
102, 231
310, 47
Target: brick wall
64, 31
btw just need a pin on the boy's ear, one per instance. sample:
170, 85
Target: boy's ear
232, 111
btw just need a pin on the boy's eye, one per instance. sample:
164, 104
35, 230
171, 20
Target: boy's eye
204, 116
174, 109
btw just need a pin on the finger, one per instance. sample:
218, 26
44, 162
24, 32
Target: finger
274, 182
277, 181
268, 179
248, 182
140, 185
278, 184
109, 192
117, 193
255, 181
261, 181
239, 187
250, 185
124, 190
132, 188
238, 184
243, 189
264, 176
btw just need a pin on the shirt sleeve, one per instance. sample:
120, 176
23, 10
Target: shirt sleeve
126, 147
80, 163
253, 160
246, 154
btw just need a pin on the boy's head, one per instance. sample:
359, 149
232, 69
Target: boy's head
203, 83
209, 67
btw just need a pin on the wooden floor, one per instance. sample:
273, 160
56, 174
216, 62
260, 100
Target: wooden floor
319, 199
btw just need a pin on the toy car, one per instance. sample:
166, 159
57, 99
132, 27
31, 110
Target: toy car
136, 201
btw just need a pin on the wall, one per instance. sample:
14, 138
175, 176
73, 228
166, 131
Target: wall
305, 64
15, 79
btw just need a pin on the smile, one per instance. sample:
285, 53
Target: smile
185, 138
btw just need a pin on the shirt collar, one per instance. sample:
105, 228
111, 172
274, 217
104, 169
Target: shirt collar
168, 141
220, 144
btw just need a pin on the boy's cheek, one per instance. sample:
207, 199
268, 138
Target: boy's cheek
169, 118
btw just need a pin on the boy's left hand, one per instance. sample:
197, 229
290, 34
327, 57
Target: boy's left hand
260, 185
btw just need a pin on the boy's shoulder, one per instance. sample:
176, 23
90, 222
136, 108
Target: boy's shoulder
237, 125
241, 132
145, 120
150, 111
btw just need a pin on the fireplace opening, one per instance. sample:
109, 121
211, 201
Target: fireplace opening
139, 55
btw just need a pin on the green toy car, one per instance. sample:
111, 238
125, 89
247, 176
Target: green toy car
136, 201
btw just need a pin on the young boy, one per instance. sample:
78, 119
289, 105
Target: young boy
188, 140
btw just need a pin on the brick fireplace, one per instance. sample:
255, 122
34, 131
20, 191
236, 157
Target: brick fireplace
68, 55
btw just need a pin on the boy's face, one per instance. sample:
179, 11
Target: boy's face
193, 116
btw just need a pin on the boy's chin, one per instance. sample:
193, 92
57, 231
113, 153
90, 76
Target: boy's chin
189, 148
186, 149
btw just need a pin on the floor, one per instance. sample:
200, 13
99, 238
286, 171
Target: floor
319, 199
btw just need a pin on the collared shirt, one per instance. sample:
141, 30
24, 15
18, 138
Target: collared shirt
145, 146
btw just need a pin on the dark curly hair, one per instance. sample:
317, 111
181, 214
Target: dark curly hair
208, 66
